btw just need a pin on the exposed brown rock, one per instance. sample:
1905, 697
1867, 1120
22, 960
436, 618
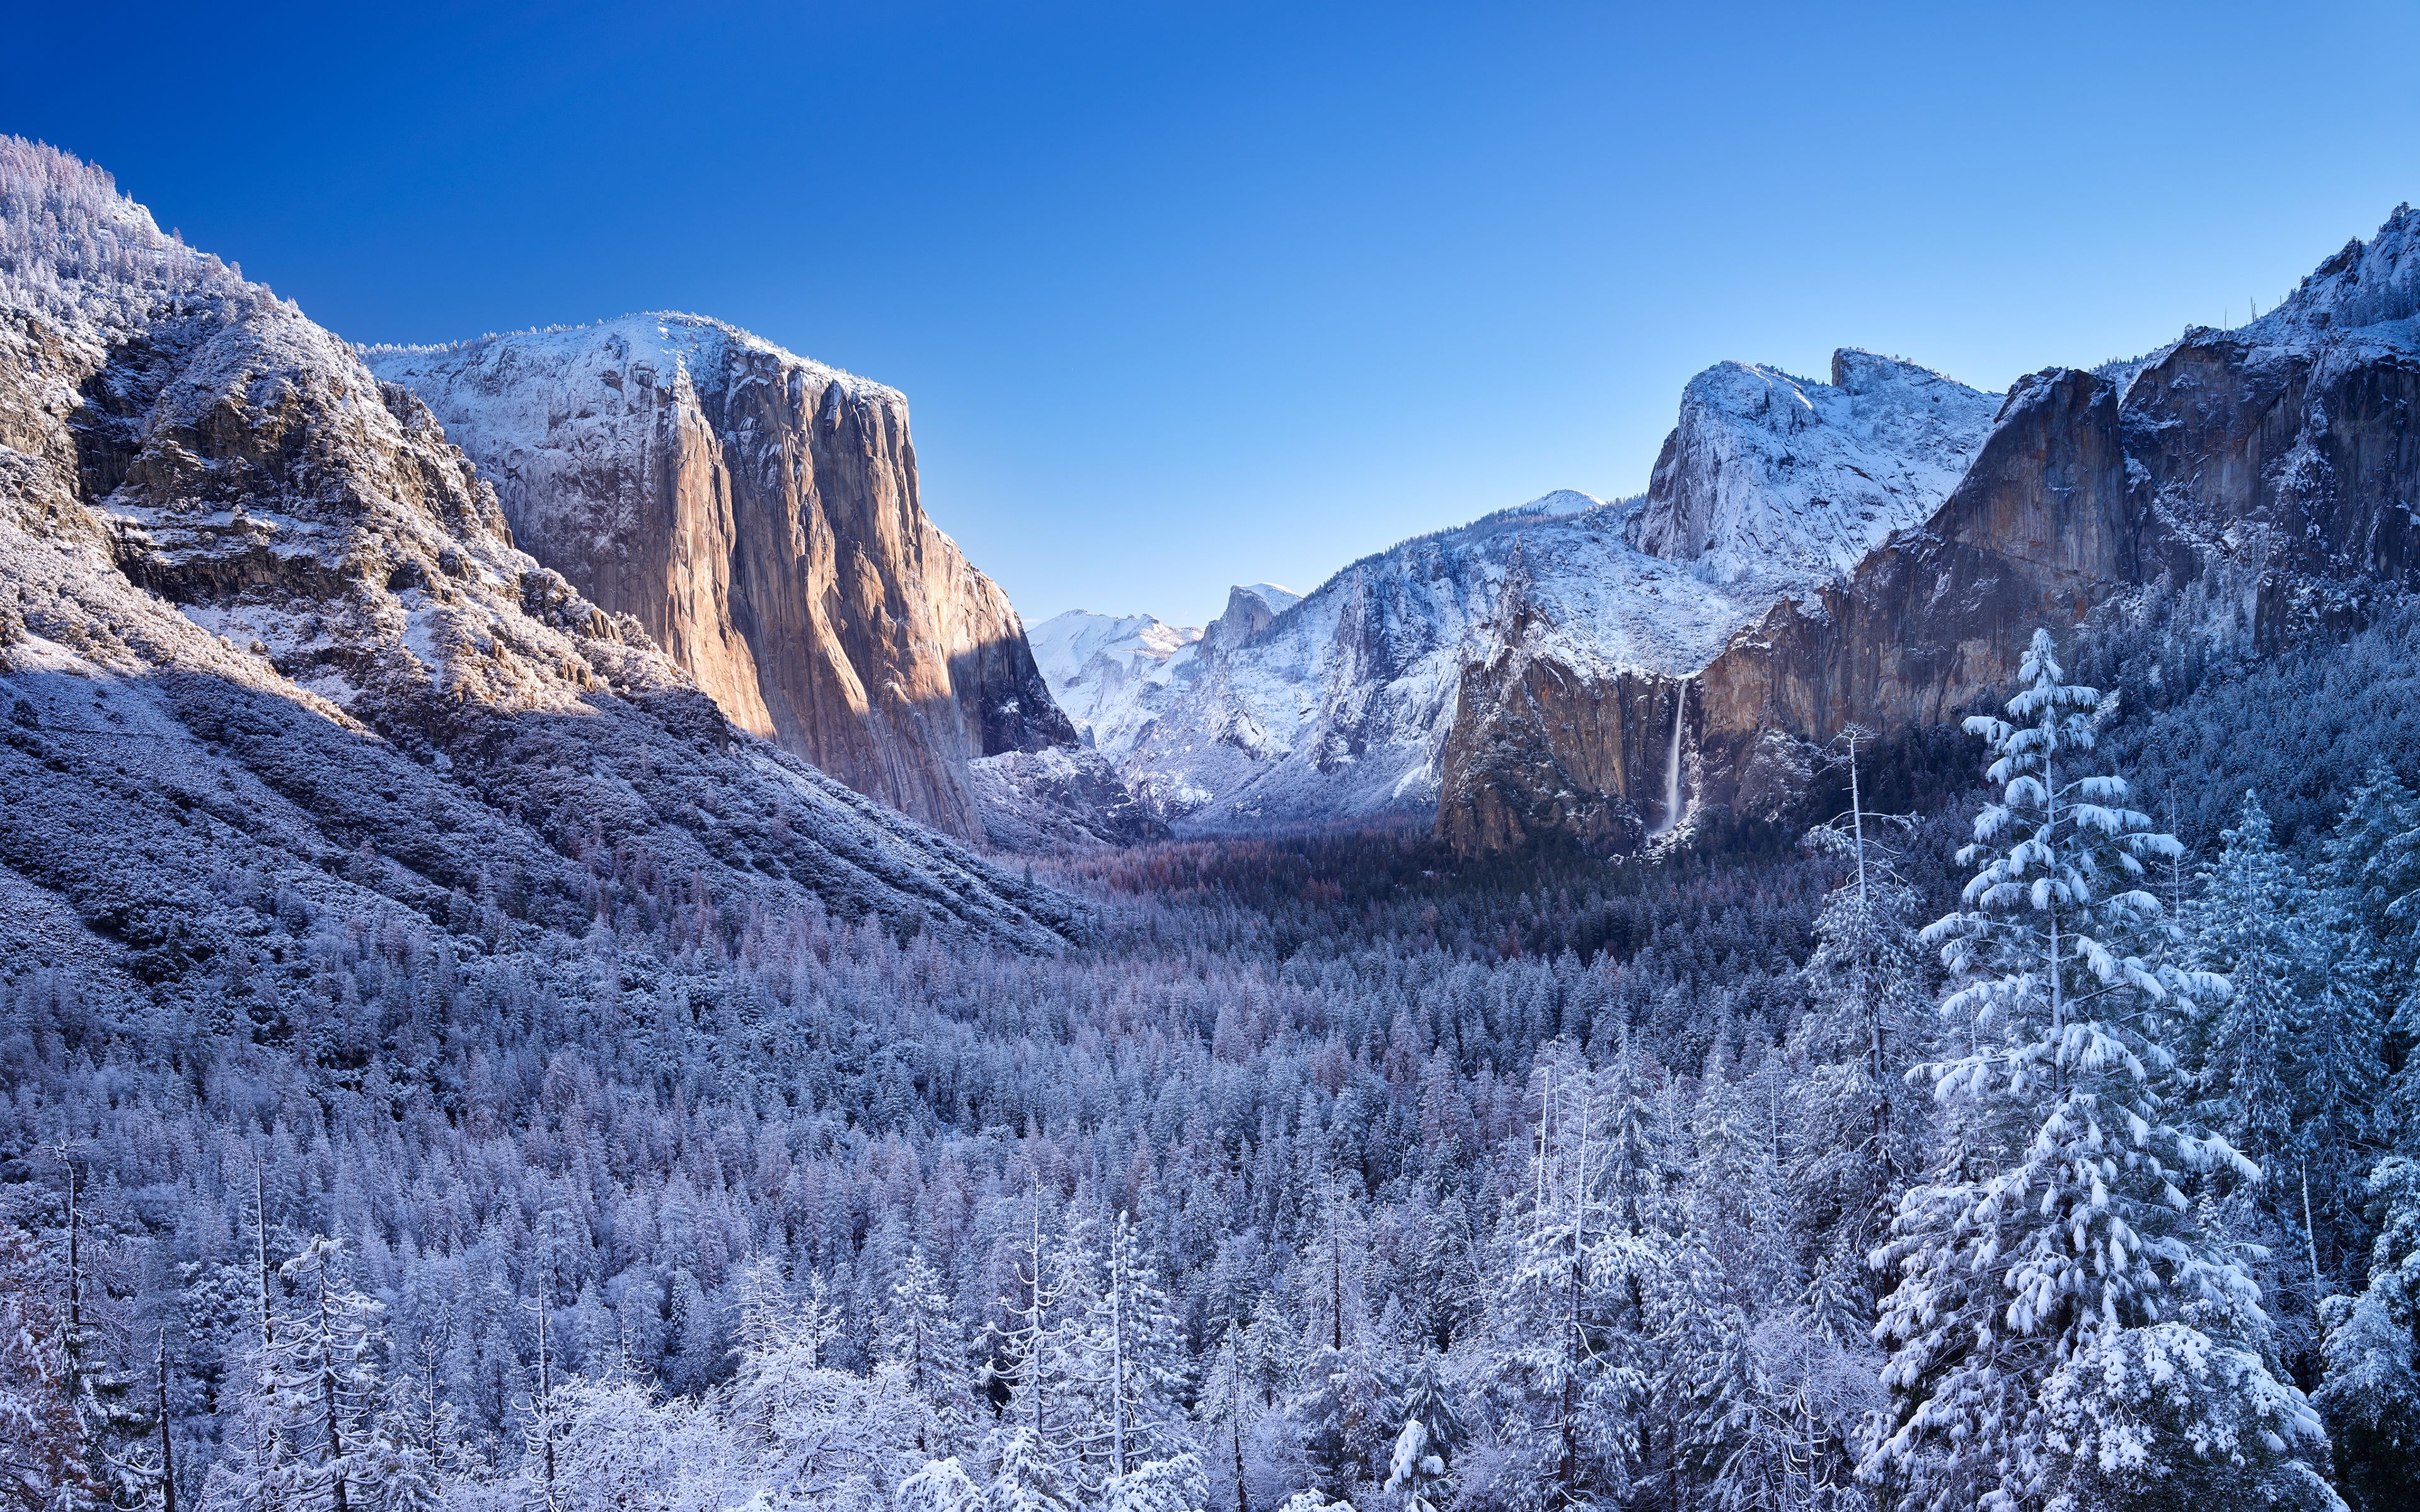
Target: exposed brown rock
2262, 476
758, 515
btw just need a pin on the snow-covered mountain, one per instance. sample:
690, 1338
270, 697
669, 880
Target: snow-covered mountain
758, 514
1769, 475
266, 643
2243, 487
1108, 671
1339, 705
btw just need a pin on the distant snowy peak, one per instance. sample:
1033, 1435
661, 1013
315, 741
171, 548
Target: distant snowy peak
1770, 475
1251, 609
1115, 675
1064, 644
1108, 671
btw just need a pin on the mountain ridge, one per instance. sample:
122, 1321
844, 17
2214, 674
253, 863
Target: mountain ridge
1858, 551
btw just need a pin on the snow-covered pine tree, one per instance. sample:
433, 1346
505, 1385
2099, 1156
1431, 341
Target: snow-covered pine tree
407, 1458
1867, 1021
43, 1466
920, 1335
2371, 1389
1731, 1253
1134, 1364
622, 1450
256, 1469
541, 1411
109, 1420
2247, 925
1734, 1199
1026, 1477
1272, 1352
1581, 1257
1790, 1403
2289, 1067
803, 1432
327, 1366
2372, 874
1415, 1470
1175, 1484
942, 1486
1419, 1466
1036, 1449
1340, 1386
1231, 1403
1694, 1403
2055, 1257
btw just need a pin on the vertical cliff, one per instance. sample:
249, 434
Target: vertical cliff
758, 515
2260, 478
1586, 711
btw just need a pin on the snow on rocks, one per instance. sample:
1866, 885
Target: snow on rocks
256, 613
759, 514
1337, 705
1770, 475
1057, 800
1109, 672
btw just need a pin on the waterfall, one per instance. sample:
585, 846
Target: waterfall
1672, 767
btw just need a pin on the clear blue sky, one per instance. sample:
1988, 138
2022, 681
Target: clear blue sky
1187, 295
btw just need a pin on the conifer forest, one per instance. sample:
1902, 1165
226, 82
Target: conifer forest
2038, 1131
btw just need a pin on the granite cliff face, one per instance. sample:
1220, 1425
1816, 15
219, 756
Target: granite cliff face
757, 514
266, 643
2259, 480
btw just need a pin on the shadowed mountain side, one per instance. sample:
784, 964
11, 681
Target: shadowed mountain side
134, 800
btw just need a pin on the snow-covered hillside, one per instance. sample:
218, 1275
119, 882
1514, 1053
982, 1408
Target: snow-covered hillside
1767, 474
2371, 287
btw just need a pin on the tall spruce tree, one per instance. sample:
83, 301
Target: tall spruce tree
2055, 1269
2288, 1068
1582, 1261
921, 1337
